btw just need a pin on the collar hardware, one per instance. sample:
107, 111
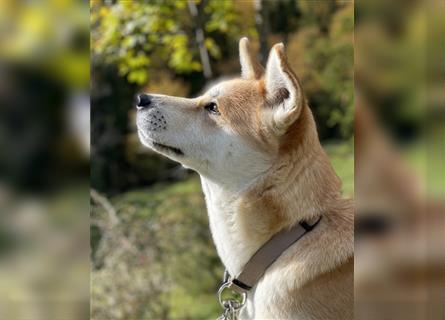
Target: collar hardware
260, 261
256, 267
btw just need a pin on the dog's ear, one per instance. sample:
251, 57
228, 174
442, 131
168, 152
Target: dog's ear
284, 96
250, 68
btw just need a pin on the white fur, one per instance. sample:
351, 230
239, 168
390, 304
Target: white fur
216, 153
230, 167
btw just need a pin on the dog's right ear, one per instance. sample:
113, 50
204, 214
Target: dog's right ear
250, 68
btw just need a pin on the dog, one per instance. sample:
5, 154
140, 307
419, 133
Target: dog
254, 143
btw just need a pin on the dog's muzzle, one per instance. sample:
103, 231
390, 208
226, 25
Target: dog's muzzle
149, 117
152, 120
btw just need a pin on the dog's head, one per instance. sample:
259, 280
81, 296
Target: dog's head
234, 130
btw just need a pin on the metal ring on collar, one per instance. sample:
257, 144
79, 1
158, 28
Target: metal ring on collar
221, 301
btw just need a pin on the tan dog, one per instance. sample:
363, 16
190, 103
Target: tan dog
254, 143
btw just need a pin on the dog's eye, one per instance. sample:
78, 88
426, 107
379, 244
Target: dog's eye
212, 108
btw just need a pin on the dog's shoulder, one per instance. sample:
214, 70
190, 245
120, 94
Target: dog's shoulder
315, 276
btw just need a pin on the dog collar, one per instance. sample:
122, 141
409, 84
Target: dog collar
263, 258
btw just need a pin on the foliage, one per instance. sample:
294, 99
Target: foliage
141, 36
390, 68
44, 74
153, 45
146, 262
338, 75
158, 260
29, 37
324, 62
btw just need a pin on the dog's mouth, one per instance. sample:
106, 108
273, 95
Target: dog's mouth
159, 146
163, 147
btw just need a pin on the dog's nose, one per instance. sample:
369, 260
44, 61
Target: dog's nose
144, 101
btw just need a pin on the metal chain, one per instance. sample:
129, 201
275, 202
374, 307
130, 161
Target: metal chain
231, 310
231, 307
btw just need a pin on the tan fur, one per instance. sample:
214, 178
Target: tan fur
301, 184
241, 111
250, 68
286, 177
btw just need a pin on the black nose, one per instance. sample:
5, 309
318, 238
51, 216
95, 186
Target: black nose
144, 100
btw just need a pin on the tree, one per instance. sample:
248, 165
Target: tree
144, 37
324, 60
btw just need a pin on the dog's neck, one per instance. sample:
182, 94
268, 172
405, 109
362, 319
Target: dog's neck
244, 215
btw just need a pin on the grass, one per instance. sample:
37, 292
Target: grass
342, 159
180, 238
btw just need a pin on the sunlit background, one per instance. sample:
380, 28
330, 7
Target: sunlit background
44, 143
151, 255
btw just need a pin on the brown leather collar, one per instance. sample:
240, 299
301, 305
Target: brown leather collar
266, 256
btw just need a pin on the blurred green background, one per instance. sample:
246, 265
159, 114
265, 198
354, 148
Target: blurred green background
152, 254
44, 160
